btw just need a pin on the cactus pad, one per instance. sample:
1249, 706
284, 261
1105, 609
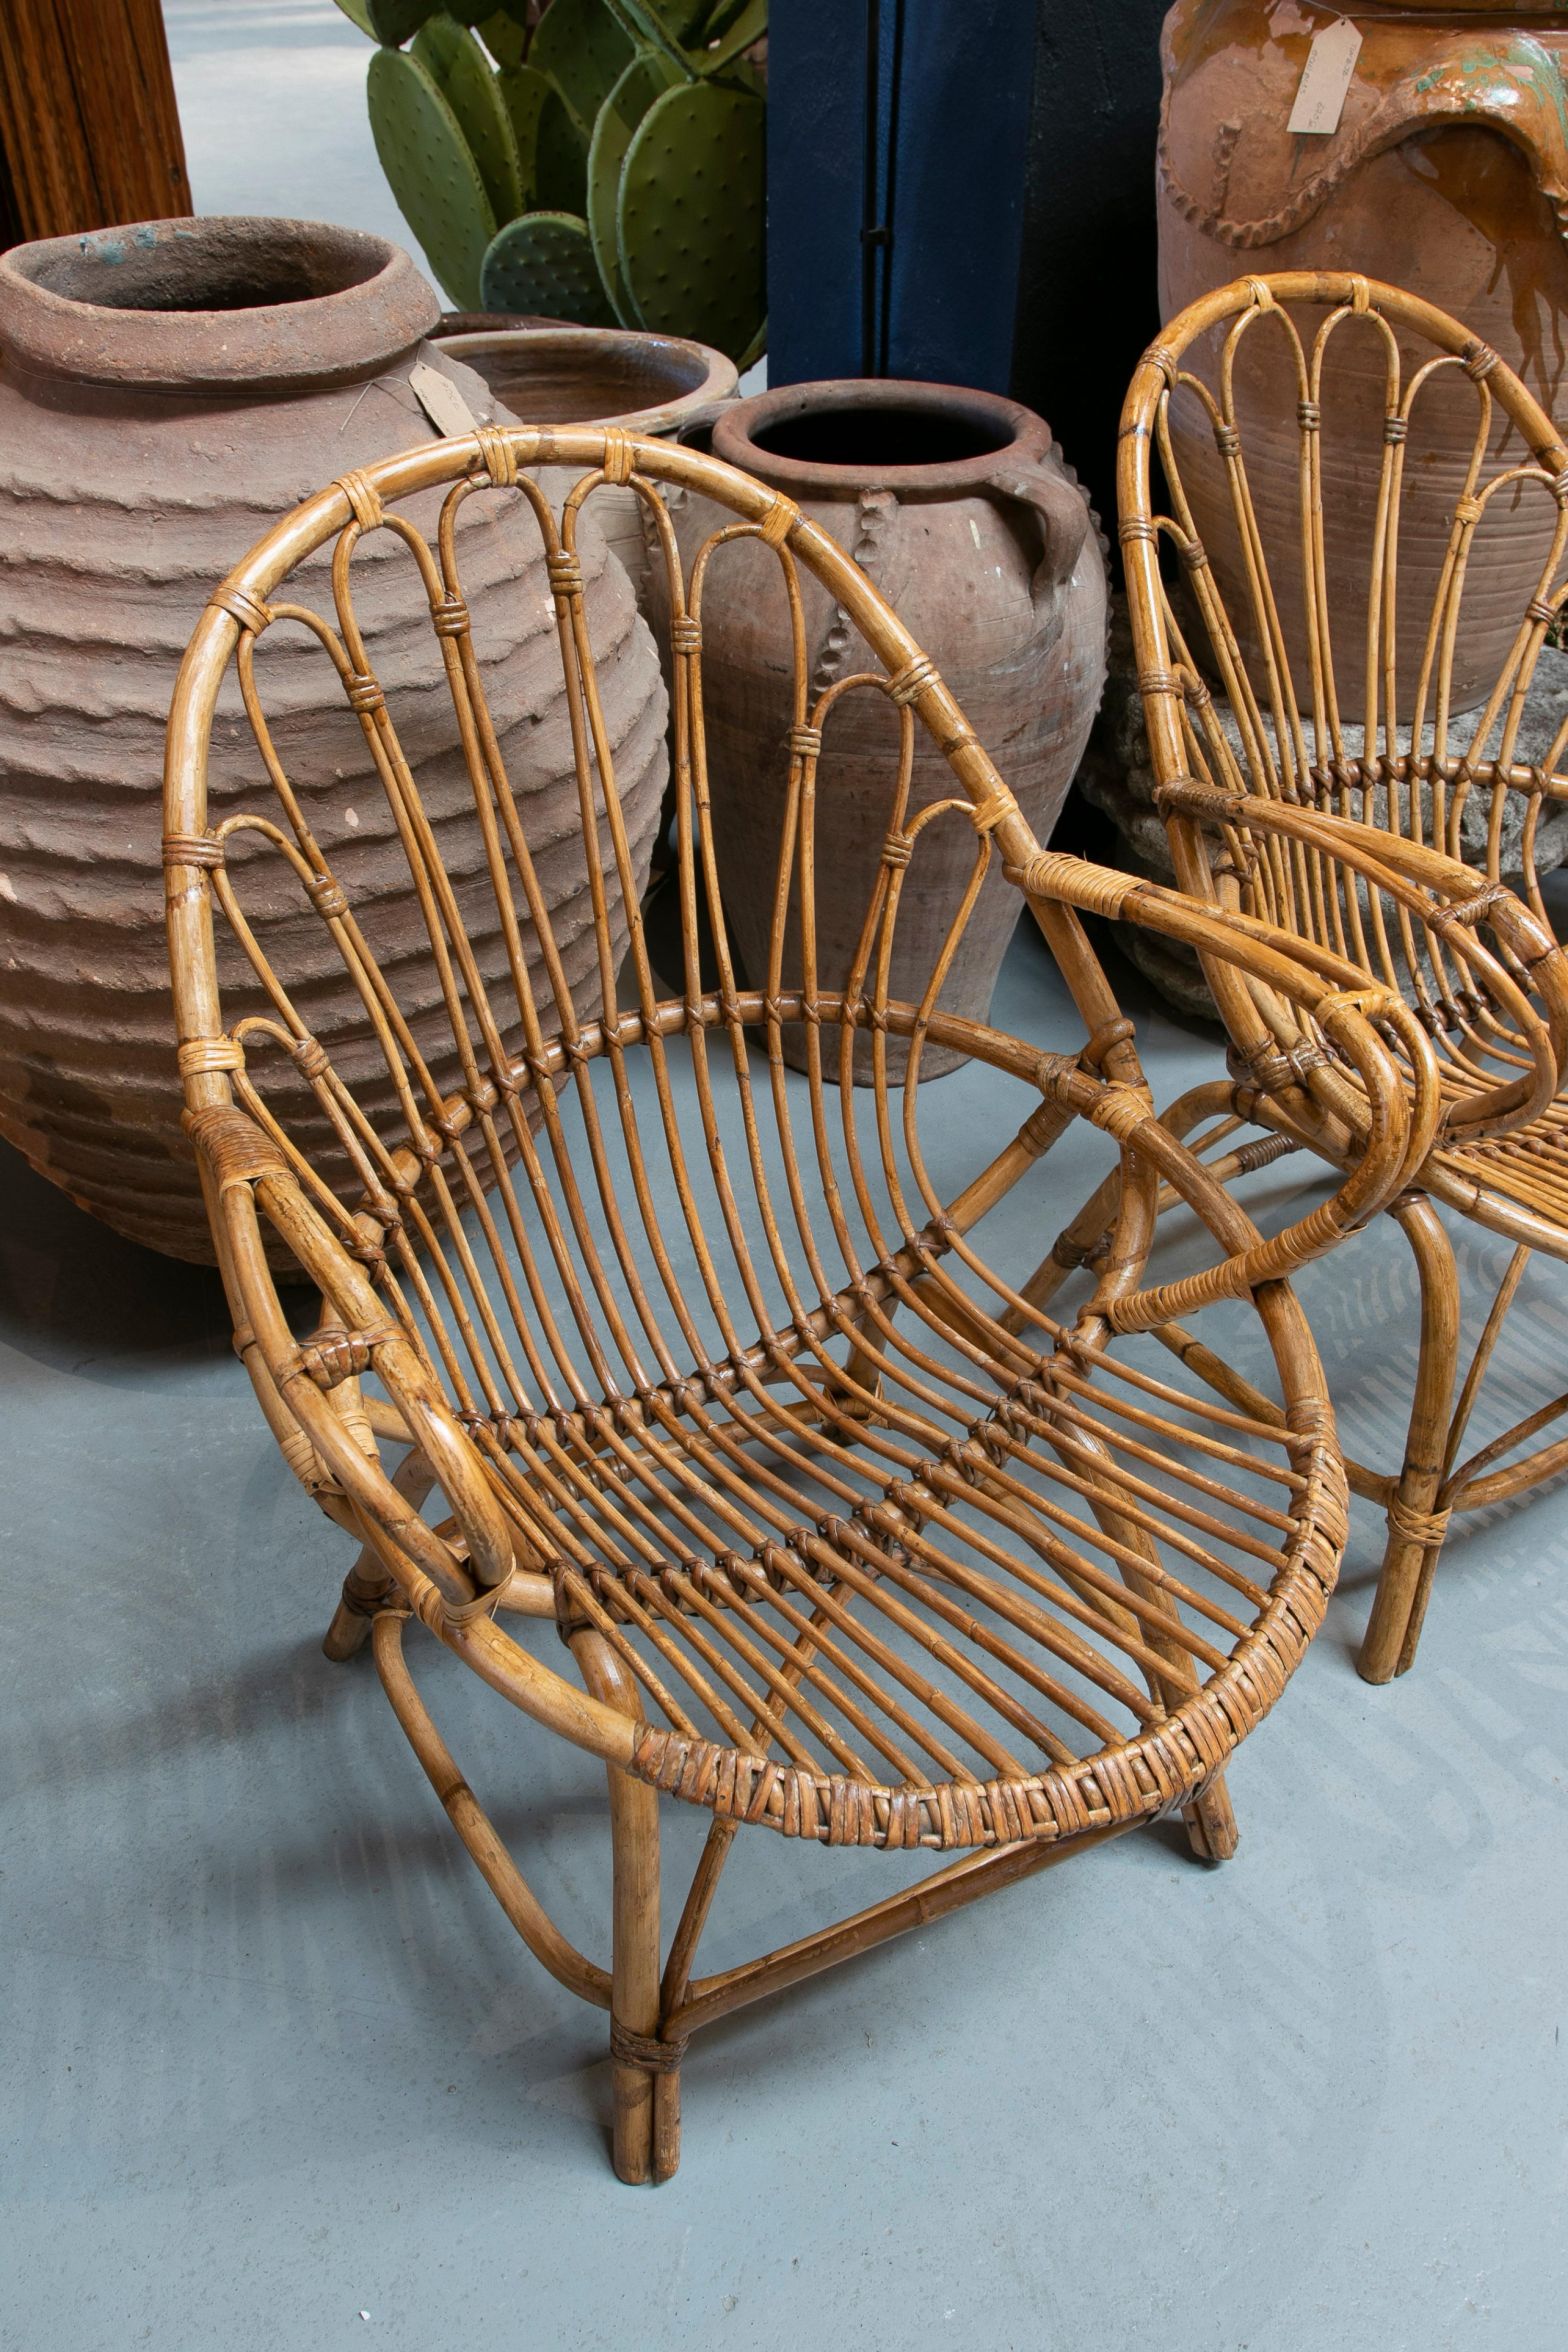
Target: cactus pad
690, 220
392, 21
504, 37
552, 156
544, 263
431, 172
582, 47
461, 72
647, 76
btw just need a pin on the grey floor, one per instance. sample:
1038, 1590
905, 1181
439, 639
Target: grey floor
273, 2058
274, 2072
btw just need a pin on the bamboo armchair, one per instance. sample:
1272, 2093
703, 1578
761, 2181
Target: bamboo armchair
1370, 824
844, 1539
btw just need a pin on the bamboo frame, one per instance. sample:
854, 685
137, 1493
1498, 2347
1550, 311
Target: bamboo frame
847, 1538
1359, 855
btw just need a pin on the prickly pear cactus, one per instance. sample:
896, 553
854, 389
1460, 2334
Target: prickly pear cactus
646, 77
582, 47
503, 35
619, 146
431, 172
392, 21
691, 216
544, 263
461, 72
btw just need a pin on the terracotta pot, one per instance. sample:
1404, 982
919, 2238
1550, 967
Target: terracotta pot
168, 390
600, 375
959, 506
1448, 175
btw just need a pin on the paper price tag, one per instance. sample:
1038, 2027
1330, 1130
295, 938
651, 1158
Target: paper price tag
442, 402
1325, 79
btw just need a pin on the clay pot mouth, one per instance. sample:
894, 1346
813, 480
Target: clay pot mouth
921, 440
596, 375
213, 305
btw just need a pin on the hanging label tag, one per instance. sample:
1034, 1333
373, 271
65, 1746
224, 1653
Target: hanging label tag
1325, 78
442, 402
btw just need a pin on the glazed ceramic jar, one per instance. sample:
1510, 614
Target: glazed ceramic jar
960, 508
1448, 175
166, 392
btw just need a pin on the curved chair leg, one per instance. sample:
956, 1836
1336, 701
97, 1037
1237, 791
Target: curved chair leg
367, 1583
640, 2152
1415, 1528
1210, 1822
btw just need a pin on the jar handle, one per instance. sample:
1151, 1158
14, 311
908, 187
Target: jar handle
1060, 508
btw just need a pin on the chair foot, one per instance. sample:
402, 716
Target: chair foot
665, 2125
1210, 1822
1404, 1587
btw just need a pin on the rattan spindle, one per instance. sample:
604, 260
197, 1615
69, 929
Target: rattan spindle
708, 1361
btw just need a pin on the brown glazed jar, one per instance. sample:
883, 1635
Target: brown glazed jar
166, 392
959, 507
1447, 175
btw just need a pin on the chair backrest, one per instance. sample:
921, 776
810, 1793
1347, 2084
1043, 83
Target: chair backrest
455, 1107
1339, 597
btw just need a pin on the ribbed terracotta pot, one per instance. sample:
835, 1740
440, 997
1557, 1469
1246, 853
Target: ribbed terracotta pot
1447, 175
167, 392
600, 375
959, 506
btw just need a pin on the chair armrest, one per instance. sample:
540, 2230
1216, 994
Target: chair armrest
1400, 1117
244, 1169
1447, 900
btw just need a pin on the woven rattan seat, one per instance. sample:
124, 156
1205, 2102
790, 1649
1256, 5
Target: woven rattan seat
1383, 832
717, 1368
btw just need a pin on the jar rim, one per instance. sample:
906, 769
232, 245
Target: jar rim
213, 304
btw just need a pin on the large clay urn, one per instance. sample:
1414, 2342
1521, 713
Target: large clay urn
1447, 175
960, 508
167, 392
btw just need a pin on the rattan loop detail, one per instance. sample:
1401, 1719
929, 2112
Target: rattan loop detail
498, 456
193, 849
565, 575
363, 499
241, 606
910, 683
1427, 1529
644, 2049
779, 521
200, 1055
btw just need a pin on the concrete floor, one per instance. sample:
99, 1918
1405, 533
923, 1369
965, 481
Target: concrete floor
274, 2059
275, 2073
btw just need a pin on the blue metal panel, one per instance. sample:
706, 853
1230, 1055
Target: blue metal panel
959, 133
951, 133
816, 119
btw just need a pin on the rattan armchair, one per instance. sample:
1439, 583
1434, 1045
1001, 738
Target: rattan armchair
844, 1539
1333, 748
